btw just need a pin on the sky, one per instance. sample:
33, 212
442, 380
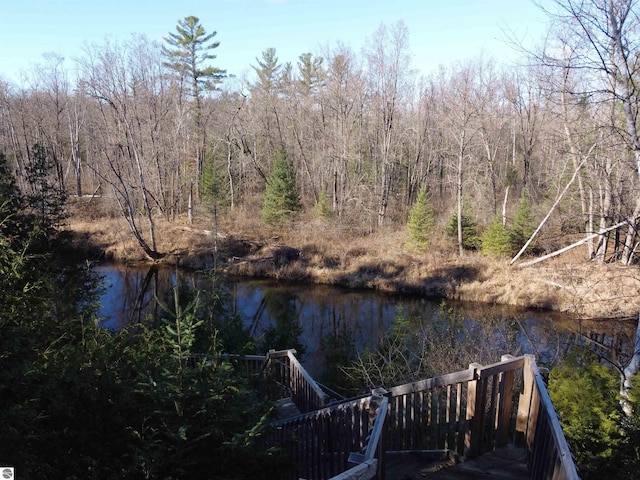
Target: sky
441, 32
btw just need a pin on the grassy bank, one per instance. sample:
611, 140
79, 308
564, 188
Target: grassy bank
318, 252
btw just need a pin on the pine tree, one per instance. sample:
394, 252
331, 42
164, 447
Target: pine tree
281, 200
214, 190
311, 73
496, 239
523, 225
188, 53
268, 70
45, 198
323, 210
420, 222
470, 238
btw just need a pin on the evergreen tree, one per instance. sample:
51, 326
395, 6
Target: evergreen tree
281, 200
323, 210
268, 70
214, 191
585, 395
12, 226
311, 73
46, 200
9, 193
496, 238
470, 238
523, 224
420, 222
189, 51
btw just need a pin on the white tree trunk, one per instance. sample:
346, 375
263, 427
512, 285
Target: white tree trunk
628, 373
504, 207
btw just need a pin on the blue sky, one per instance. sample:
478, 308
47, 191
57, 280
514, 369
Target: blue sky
441, 32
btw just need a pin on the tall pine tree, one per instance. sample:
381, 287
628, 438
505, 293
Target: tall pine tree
188, 52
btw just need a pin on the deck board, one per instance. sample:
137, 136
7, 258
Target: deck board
286, 409
507, 463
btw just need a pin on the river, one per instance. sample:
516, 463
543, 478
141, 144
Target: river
325, 312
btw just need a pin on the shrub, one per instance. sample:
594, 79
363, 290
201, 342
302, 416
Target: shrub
323, 210
585, 394
523, 225
281, 200
496, 239
420, 222
470, 238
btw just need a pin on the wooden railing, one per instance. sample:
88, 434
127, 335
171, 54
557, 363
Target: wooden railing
252, 365
469, 412
282, 376
334, 441
294, 381
548, 452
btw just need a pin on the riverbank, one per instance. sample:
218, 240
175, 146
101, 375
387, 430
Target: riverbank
321, 253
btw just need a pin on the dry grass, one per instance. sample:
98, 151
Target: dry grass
321, 252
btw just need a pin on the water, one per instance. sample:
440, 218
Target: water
327, 312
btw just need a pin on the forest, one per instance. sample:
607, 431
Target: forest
158, 130
476, 156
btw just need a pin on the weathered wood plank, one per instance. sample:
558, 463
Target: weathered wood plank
469, 411
364, 471
500, 367
428, 384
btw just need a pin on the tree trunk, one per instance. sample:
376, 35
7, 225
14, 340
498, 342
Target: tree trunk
628, 374
459, 199
504, 207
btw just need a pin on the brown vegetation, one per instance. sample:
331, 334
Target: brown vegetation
319, 252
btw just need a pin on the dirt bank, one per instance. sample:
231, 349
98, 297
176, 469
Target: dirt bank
322, 254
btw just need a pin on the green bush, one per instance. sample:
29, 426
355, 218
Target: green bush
420, 222
585, 394
281, 200
496, 238
523, 225
470, 238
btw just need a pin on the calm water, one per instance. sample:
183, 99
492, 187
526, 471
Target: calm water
326, 312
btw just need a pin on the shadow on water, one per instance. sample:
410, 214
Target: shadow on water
321, 320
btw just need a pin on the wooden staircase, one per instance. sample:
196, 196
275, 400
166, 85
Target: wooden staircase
499, 415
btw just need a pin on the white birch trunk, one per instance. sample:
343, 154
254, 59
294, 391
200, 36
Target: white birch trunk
628, 374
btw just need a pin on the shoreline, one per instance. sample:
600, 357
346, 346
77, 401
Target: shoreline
565, 285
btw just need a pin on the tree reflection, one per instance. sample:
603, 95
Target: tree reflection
339, 347
285, 331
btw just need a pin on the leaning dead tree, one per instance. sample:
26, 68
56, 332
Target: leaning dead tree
604, 37
573, 245
544, 220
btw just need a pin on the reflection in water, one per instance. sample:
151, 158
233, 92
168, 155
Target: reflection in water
324, 321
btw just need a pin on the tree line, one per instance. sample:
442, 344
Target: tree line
159, 130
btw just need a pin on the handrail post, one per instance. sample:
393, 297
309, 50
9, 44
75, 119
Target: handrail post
505, 403
525, 400
381, 416
471, 441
